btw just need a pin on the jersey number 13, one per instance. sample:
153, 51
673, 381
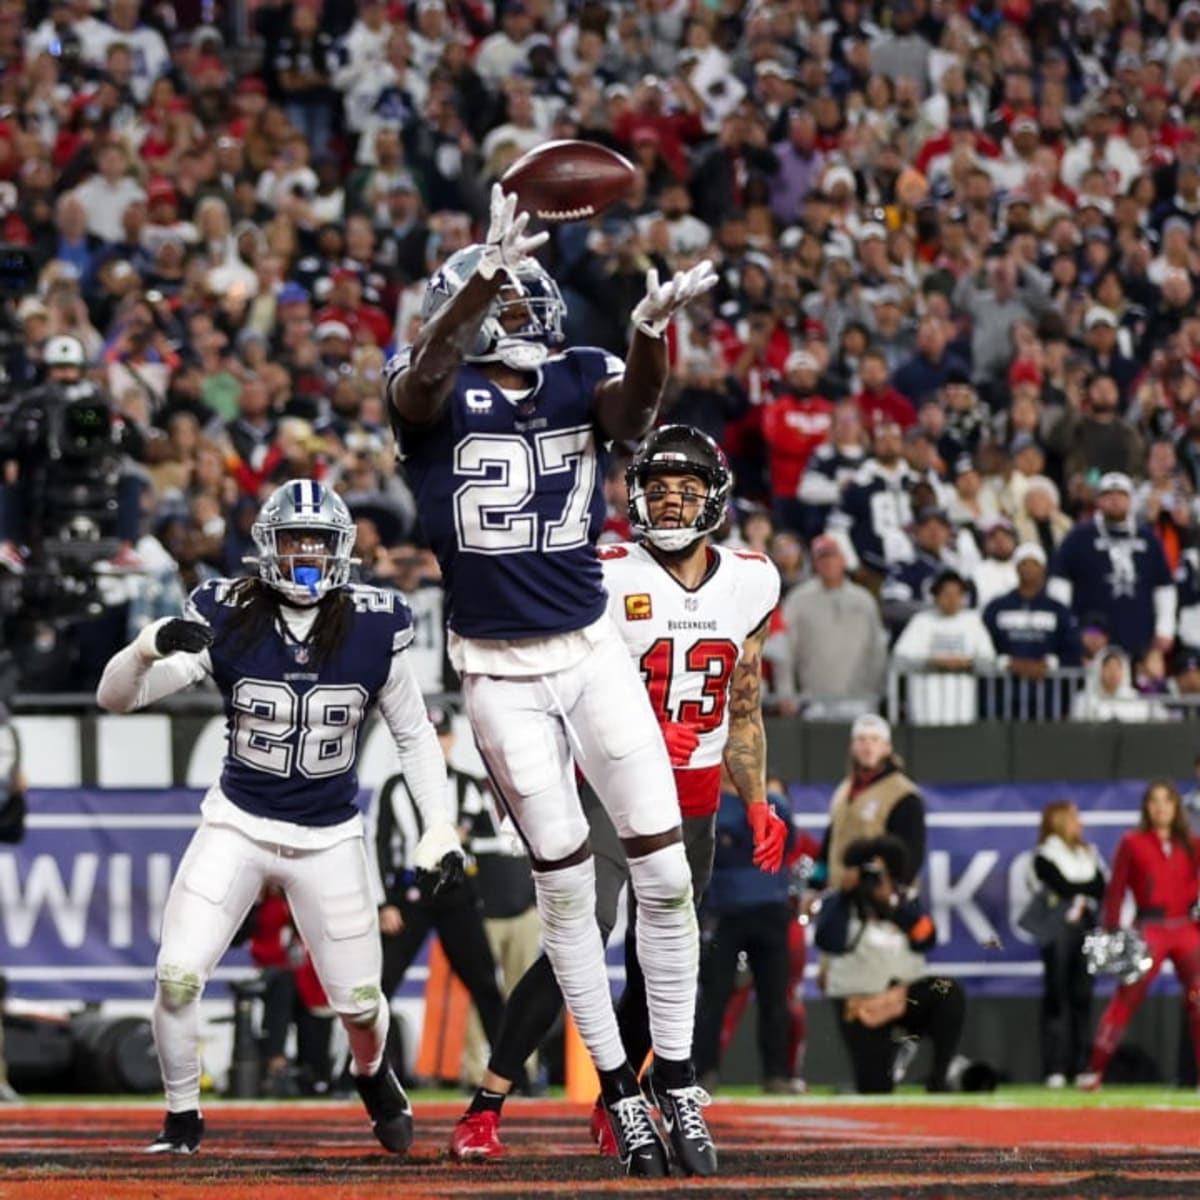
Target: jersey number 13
712, 658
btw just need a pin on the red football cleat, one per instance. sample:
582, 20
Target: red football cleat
602, 1133
477, 1135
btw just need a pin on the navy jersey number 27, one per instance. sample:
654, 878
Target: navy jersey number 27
510, 496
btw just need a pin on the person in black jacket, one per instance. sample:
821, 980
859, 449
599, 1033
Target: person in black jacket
745, 911
1069, 871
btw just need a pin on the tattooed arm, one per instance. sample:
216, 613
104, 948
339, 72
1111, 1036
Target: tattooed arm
746, 755
746, 747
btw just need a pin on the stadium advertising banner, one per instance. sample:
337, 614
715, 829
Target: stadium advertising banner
81, 898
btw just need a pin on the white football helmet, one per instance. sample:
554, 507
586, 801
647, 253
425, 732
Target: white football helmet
305, 507
522, 349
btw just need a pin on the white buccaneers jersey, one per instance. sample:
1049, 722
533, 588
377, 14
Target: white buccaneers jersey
687, 643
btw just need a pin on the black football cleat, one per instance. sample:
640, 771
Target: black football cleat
680, 1108
181, 1134
388, 1107
639, 1144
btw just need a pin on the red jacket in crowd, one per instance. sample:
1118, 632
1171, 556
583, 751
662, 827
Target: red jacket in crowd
1162, 877
792, 429
888, 405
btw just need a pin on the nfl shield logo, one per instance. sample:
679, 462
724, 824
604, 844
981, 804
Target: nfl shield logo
691, 603
300, 654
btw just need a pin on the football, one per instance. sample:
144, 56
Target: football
569, 180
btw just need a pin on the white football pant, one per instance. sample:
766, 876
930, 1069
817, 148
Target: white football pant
530, 732
219, 879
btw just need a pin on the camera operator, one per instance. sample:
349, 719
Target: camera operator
875, 933
67, 448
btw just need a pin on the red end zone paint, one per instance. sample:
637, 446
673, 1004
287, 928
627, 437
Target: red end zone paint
326, 1152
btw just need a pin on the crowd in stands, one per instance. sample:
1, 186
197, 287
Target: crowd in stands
954, 355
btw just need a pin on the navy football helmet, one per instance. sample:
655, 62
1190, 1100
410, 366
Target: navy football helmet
535, 298
678, 450
308, 508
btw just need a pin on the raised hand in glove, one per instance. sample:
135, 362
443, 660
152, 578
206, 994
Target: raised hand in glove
681, 741
508, 246
173, 635
770, 835
661, 302
439, 859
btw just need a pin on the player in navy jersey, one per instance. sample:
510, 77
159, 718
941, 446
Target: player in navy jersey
693, 616
299, 656
503, 437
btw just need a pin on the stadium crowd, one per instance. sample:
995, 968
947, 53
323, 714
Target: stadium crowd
953, 357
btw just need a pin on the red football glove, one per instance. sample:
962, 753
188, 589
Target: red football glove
681, 741
770, 835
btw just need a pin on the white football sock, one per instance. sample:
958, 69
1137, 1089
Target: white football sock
668, 946
566, 901
367, 1041
176, 1024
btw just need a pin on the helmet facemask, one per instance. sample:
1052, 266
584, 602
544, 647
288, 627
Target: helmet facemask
678, 451
304, 535
523, 322
674, 537
303, 562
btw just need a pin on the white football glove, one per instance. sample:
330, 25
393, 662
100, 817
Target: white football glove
656, 308
439, 859
507, 244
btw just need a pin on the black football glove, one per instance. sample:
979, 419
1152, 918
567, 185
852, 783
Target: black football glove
450, 874
178, 634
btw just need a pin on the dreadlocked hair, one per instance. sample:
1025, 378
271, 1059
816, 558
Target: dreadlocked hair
256, 615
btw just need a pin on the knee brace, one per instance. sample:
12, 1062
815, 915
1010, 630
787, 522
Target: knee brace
177, 986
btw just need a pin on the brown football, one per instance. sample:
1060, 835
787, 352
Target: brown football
568, 180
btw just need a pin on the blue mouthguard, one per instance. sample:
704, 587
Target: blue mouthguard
307, 577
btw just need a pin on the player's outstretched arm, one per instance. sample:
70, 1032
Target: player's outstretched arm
746, 753
167, 656
626, 405
439, 853
420, 392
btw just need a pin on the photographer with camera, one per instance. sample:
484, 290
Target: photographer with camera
875, 934
68, 448
875, 797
